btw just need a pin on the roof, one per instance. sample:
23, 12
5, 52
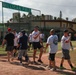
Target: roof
53, 21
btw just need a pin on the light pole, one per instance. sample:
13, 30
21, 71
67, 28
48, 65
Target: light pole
2, 19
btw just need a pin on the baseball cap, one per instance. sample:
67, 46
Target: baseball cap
52, 30
9, 29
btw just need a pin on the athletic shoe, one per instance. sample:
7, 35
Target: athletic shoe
48, 67
40, 61
61, 67
28, 62
53, 69
20, 64
12, 58
34, 62
73, 69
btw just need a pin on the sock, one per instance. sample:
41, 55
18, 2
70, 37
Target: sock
26, 58
61, 65
71, 65
14, 54
20, 59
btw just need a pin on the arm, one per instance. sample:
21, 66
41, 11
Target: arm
48, 43
18, 43
68, 40
46, 47
71, 45
3, 43
36, 36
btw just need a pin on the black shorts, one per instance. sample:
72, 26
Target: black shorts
36, 45
9, 48
65, 54
52, 56
15, 47
30, 43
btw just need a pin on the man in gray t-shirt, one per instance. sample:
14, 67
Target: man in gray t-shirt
52, 41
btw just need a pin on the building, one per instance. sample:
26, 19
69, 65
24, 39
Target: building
45, 23
58, 25
74, 20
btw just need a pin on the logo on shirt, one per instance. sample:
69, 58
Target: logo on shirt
55, 41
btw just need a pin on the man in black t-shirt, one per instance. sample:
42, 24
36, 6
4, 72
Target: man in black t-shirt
23, 45
9, 40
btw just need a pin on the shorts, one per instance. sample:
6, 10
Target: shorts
65, 54
52, 56
30, 43
15, 47
36, 45
9, 48
22, 53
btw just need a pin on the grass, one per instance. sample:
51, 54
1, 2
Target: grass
2, 50
72, 55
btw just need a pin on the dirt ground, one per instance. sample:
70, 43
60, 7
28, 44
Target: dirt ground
14, 68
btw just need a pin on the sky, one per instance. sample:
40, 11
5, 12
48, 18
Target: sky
47, 7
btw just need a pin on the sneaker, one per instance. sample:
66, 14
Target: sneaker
53, 69
73, 69
40, 61
61, 67
20, 64
48, 67
28, 62
34, 62
12, 58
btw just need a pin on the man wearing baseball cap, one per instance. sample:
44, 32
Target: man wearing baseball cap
52, 41
9, 41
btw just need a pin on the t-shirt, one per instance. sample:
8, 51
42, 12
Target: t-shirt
16, 40
42, 36
23, 42
10, 39
34, 33
53, 42
30, 37
65, 45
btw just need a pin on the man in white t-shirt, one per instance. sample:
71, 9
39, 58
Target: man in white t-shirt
52, 41
15, 42
65, 44
36, 44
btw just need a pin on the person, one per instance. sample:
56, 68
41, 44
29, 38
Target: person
14, 32
42, 37
9, 40
36, 44
19, 34
23, 45
65, 45
53, 42
75, 36
15, 42
30, 40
